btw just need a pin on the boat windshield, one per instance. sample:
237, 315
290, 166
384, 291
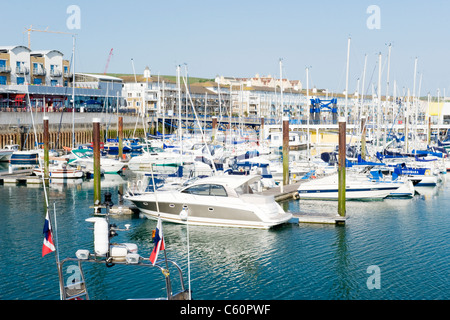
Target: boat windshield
244, 189
85, 154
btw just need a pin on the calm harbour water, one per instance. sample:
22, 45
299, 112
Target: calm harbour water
407, 239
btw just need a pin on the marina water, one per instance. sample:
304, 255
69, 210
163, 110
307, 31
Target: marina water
406, 242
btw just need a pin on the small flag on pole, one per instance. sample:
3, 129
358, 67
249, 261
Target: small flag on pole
159, 242
48, 245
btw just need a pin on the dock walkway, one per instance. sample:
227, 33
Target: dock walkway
19, 176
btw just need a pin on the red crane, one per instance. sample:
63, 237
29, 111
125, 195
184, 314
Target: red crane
107, 62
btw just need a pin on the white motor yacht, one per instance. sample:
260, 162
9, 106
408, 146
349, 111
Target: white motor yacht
326, 188
224, 200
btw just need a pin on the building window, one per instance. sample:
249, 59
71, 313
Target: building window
3, 80
20, 80
37, 81
2, 63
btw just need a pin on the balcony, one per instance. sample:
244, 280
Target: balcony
22, 70
39, 72
5, 69
55, 73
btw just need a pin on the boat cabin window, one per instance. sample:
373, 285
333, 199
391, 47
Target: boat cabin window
217, 190
206, 190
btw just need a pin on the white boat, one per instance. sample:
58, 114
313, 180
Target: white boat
296, 140
7, 151
29, 158
224, 200
85, 158
152, 157
60, 171
326, 188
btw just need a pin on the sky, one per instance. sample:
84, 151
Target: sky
244, 38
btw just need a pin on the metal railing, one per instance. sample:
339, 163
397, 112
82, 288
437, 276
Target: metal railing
5, 69
39, 72
55, 73
22, 70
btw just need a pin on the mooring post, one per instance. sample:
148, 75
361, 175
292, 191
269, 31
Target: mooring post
341, 167
120, 133
97, 168
285, 150
214, 129
261, 131
46, 153
363, 138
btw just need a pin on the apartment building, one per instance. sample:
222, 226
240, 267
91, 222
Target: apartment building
260, 81
14, 64
20, 65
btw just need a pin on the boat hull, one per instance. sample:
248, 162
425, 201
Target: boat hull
27, 158
61, 173
208, 212
5, 155
360, 193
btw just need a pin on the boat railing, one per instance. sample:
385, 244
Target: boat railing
75, 286
78, 289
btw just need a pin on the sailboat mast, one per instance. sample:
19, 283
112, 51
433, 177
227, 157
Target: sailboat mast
387, 96
379, 100
179, 104
73, 92
414, 103
346, 79
281, 87
308, 113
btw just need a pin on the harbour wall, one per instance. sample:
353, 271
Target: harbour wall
24, 128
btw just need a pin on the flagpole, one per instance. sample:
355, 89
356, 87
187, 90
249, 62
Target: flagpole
184, 215
57, 251
56, 233
189, 262
164, 241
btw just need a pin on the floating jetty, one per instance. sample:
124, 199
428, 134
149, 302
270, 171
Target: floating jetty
337, 219
19, 176
290, 192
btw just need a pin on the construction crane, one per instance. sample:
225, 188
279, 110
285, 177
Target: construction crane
30, 29
107, 62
